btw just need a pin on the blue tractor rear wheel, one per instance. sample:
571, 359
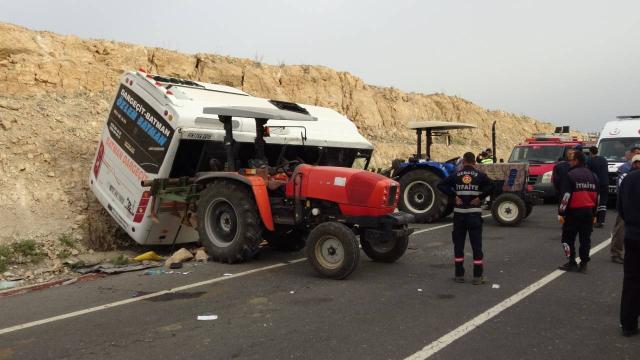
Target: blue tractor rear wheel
419, 195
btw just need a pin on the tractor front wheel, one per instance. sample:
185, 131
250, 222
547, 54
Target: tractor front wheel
508, 209
228, 222
385, 250
420, 196
332, 250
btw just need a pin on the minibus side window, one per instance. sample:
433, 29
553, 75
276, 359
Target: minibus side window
196, 156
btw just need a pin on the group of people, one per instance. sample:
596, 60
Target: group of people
582, 186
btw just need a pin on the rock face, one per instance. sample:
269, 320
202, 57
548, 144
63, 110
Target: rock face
57, 90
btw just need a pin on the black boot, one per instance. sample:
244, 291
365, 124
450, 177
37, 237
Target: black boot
583, 267
478, 271
600, 216
571, 265
459, 275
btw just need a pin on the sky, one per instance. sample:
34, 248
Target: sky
564, 61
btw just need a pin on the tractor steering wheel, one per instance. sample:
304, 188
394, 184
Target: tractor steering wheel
453, 161
289, 166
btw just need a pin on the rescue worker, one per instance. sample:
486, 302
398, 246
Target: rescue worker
487, 157
600, 167
629, 210
470, 187
560, 171
617, 237
577, 212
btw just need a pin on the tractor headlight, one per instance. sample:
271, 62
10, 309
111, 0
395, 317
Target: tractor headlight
546, 177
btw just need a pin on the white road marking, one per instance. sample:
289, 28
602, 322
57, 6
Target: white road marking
467, 327
163, 292
143, 297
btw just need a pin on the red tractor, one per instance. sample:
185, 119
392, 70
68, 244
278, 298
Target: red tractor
288, 205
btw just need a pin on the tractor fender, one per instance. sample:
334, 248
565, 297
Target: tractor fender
258, 186
435, 169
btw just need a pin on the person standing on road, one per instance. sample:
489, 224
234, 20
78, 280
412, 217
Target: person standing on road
617, 236
629, 211
470, 187
600, 167
576, 212
560, 171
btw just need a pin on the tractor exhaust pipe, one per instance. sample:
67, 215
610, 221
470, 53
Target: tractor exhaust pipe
259, 143
493, 142
229, 142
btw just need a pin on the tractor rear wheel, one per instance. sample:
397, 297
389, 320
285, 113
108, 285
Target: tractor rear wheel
384, 250
420, 196
228, 222
332, 250
286, 239
508, 209
529, 207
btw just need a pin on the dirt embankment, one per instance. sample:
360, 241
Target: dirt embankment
57, 90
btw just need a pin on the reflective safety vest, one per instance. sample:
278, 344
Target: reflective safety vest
487, 161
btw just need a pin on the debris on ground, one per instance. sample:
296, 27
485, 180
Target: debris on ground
9, 284
495, 286
201, 255
179, 256
163, 271
49, 284
109, 268
155, 272
95, 258
7, 275
207, 317
149, 256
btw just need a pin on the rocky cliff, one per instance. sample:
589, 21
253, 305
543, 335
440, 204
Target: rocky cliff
56, 92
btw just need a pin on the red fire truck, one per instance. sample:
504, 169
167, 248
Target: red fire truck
543, 152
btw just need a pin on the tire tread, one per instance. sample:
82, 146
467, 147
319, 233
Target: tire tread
248, 245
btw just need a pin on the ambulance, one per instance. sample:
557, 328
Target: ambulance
156, 128
616, 138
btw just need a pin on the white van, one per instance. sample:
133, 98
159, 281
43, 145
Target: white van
616, 138
156, 128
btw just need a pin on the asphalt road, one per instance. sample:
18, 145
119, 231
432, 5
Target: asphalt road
383, 311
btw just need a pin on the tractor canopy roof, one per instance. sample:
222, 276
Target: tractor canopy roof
439, 125
254, 112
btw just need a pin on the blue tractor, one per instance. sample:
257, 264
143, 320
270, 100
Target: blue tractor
511, 201
419, 176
